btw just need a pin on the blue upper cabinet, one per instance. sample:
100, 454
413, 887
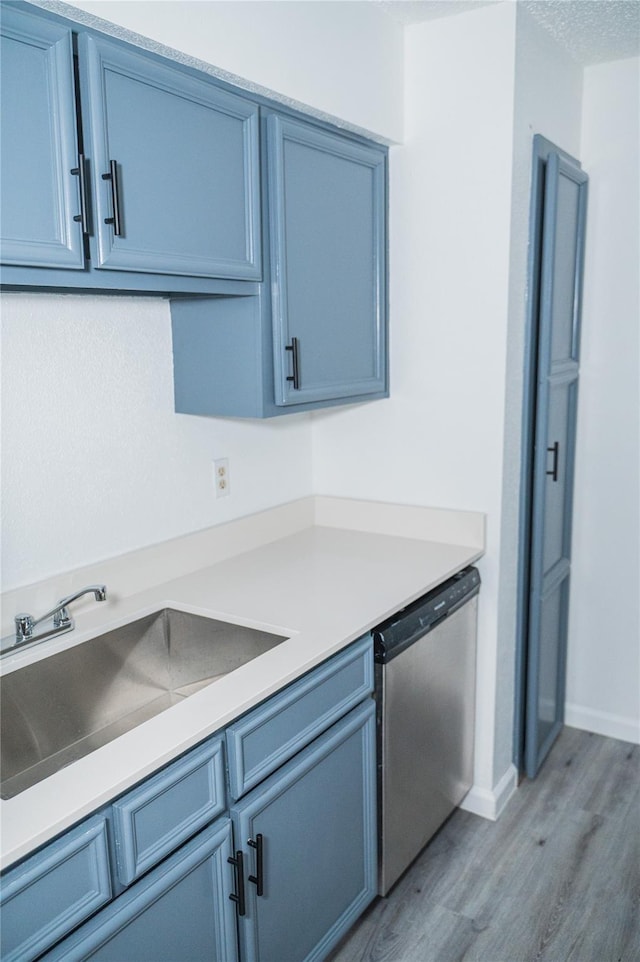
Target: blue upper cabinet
40, 191
129, 173
175, 167
315, 334
327, 245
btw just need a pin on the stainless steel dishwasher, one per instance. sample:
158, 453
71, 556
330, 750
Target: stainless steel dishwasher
425, 667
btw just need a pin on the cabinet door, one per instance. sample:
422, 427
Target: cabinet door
327, 210
180, 910
185, 155
40, 193
317, 820
54, 890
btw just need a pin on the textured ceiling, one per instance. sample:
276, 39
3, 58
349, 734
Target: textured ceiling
591, 31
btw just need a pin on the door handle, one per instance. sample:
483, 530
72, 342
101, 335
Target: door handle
80, 172
238, 895
258, 878
294, 347
554, 449
115, 198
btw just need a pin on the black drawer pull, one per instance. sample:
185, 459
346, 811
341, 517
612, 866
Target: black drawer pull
79, 171
115, 198
294, 347
258, 878
238, 895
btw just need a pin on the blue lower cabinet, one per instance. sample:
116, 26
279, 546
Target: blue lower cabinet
54, 890
308, 835
265, 738
180, 911
164, 811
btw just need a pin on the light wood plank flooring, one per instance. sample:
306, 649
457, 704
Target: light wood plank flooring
556, 879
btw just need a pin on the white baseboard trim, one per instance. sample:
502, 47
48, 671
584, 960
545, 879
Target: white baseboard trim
602, 723
490, 803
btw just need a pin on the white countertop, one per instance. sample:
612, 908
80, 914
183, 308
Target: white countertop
322, 586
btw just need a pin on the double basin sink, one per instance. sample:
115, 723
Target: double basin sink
61, 708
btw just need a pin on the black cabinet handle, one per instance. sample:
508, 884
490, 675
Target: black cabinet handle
79, 171
294, 347
258, 878
115, 198
554, 449
238, 895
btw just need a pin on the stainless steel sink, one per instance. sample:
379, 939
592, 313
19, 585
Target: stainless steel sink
61, 708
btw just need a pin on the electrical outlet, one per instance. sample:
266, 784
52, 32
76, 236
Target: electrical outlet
221, 477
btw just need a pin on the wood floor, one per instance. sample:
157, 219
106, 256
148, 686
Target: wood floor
556, 879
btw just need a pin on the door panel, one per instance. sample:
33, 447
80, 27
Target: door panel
327, 213
551, 687
40, 196
563, 234
187, 167
563, 294
558, 492
317, 819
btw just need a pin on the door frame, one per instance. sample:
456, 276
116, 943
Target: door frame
541, 150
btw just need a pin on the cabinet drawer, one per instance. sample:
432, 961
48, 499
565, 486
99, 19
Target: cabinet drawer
54, 890
180, 911
168, 808
273, 732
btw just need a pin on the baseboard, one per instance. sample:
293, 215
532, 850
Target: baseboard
490, 803
602, 723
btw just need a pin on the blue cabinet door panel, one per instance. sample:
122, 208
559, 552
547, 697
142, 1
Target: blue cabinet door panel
156, 817
317, 819
265, 738
54, 890
327, 211
186, 155
40, 194
180, 911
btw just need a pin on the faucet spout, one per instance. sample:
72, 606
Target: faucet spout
59, 613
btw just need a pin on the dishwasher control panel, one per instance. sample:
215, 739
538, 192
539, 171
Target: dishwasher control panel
401, 630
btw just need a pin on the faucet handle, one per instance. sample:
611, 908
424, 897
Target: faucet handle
62, 618
24, 625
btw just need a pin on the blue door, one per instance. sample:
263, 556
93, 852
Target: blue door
314, 821
327, 209
40, 197
563, 237
174, 161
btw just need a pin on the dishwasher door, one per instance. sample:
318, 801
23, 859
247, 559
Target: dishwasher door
426, 710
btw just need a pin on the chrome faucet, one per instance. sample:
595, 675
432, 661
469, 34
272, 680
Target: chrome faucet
61, 619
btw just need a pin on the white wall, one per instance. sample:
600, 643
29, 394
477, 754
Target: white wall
95, 460
343, 59
438, 440
603, 684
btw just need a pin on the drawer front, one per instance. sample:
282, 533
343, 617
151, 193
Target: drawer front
266, 737
54, 890
168, 808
